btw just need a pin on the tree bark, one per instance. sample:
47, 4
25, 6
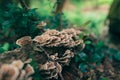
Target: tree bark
114, 18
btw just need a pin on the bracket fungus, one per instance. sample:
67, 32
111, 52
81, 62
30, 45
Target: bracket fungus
17, 70
51, 51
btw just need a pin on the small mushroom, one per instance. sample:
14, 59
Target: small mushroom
8, 72
50, 70
29, 71
16, 71
24, 41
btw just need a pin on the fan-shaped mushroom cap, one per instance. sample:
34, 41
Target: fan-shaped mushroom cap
24, 40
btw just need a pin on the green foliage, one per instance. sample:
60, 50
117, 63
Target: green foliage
83, 67
18, 22
117, 56
4, 47
103, 78
54, 21
94, 53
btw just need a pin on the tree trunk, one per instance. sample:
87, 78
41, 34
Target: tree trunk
114, 18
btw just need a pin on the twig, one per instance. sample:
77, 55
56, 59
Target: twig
23, 4
60, 6
61, 76
59, 9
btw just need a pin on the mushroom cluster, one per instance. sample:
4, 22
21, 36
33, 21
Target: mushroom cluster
17, 70
51, 51
61, 47
65, 38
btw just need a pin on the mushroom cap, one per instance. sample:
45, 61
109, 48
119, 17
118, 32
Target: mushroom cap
24, 41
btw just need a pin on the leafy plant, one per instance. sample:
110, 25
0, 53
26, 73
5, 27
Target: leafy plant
92, 53
16, 22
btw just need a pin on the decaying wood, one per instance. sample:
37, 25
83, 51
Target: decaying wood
51, 51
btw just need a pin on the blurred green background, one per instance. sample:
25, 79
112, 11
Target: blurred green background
79, 12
